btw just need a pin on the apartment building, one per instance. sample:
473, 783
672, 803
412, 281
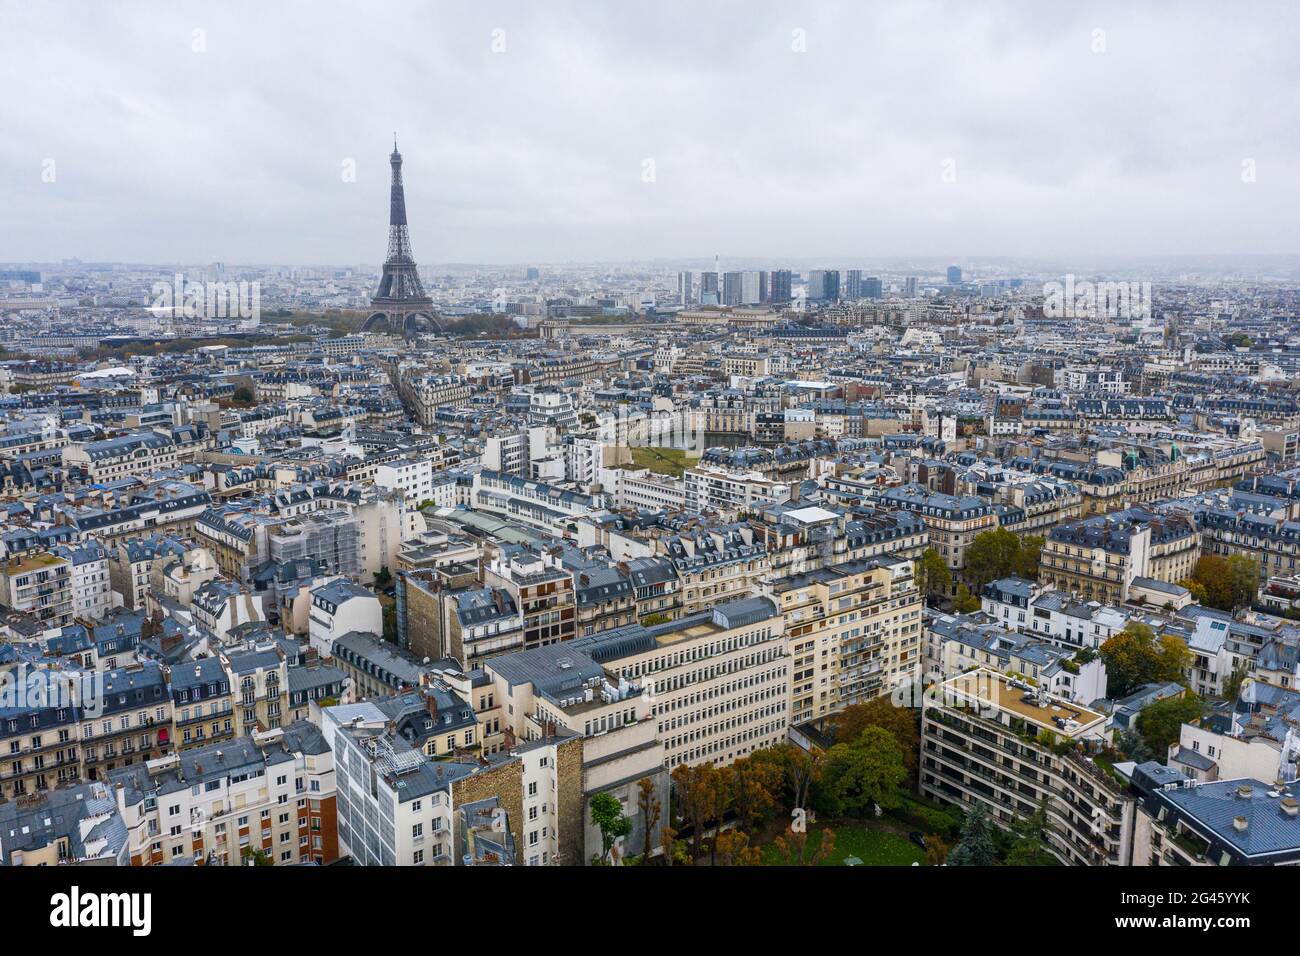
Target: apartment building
425, 393
958, 643
953, 520
563, 687
1182, 821
799, 538
469, 624
271, 794
134, 723
715, 565
1099, 558
40, 585
413, 477
1001, 742
538, 504
720, 678
131, 563
259, 683
202, 703
730, 493
121, 457
854, 632
542, 592
73, 825
92, 594
396, 807
1057, 617
644, 489
40, 740
341, 607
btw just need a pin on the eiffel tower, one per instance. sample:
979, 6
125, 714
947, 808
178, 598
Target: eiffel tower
400, 302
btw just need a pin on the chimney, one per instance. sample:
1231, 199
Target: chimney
431, 702
1290, 806
1239, 824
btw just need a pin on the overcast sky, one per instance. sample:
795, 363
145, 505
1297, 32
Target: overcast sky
956, 129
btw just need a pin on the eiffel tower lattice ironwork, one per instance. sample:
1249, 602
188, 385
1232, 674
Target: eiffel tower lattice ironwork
400, 301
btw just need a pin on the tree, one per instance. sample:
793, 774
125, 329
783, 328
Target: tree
800, 769
1243, 581
668, 840
932, 574
1214, 576
732, 849
1160, 723
720, 797
244, 395
1133, 747
1135, 657
1196, 588
647, 803
1026, 560
1232, 686
755, 783
607, 814
696, 798
1029, 841
991, 555
865, 773
792, 847
936, 851
965, 602
975, 848
900, 722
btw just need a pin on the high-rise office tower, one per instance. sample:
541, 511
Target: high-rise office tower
872, 287
954, 275
780, 287
909, 287
751, 291
823, 285
684, 288
733, 288
709, 288
853, 284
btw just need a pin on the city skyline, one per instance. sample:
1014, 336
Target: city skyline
574, 134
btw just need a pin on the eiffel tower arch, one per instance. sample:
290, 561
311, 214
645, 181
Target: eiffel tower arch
400, 302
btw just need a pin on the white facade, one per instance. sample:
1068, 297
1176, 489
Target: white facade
412, 477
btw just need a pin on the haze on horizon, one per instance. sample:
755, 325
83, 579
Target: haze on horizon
928, 129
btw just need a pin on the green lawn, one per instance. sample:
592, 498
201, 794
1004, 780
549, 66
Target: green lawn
662, 461
873, 847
